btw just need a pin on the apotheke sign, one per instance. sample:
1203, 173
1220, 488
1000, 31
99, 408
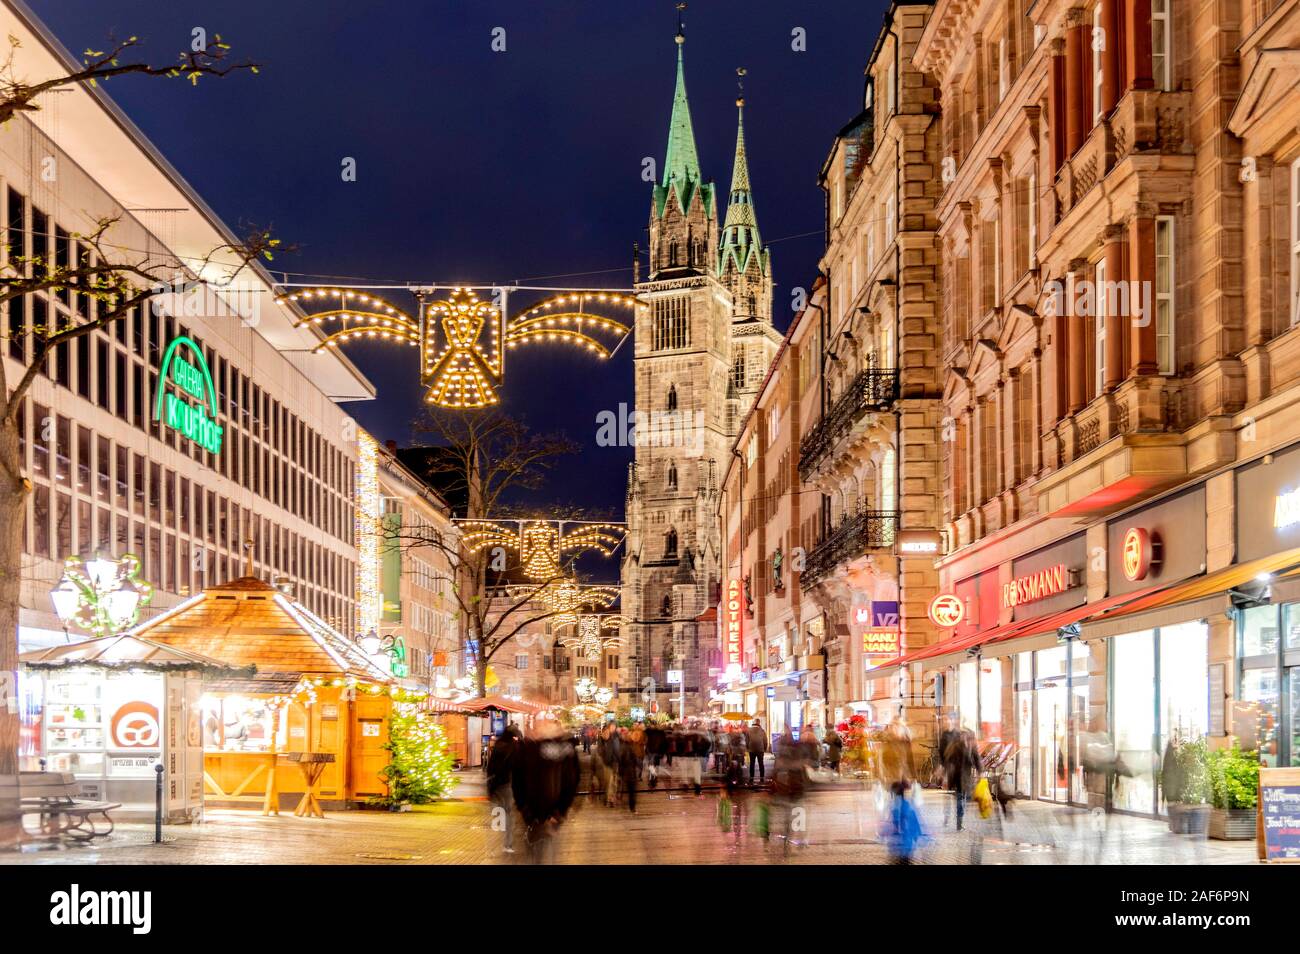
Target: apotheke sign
194, 415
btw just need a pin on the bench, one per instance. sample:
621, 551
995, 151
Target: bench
54, 797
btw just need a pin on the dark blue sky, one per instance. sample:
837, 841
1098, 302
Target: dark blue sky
488, 167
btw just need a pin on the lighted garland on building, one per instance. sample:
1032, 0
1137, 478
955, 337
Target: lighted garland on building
462, 338
368, 517
420, 768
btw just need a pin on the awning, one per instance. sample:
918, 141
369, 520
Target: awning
502, 704
433, 704
1108, 616
125, 651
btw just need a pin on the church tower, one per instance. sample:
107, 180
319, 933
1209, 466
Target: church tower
687, 407
745, 268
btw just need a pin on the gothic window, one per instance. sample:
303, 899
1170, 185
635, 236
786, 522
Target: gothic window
738, 368
666, 607
672, 483
672, 397
672, 323
672, 253
670, 544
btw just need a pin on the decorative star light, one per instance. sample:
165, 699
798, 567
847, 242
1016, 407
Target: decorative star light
462, 338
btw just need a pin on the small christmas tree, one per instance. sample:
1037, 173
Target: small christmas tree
420, 768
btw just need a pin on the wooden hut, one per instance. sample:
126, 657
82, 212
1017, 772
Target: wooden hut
314, 691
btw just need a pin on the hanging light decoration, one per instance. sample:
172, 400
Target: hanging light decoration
595, 633
462, 338
540, 546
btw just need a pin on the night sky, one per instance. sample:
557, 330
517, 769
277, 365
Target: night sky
483, 167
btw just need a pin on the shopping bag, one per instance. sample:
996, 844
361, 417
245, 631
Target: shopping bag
724, 813
982, 798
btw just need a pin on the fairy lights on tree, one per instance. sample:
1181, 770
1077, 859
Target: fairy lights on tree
462, 339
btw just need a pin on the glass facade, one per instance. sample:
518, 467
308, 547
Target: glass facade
1160, 692
1267, 715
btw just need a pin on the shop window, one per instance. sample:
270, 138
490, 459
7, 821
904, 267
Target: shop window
1134, 719
1259, 631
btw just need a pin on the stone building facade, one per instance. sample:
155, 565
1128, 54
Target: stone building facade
872, 450
703, 344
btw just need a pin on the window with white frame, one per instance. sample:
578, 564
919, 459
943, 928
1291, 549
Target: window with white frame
521, 660
1161, 45
773, 425
1164, 297
1295, 242
891, 93
891, 219
871, 243
1098, 40
1100, 310
1003, 69
888, 486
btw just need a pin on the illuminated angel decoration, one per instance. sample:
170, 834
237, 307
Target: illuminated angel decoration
596, 633
540, 545
462, 338
568, 600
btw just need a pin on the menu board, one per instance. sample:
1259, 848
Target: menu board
1279, 814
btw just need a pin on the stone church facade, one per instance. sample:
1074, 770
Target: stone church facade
703, 347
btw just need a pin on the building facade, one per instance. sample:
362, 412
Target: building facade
872, 450
703, 345
417, 573
1118, 232
271, 488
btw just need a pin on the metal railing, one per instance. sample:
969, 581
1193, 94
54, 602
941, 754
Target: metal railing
871, 390
856, 534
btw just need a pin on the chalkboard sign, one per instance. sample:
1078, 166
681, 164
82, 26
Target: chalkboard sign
1217, 700
1279, 814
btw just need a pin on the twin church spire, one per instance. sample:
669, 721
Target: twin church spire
683, 222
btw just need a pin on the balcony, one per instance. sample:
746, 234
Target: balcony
871, 390
856, 534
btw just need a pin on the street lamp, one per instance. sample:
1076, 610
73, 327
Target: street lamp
101, 595
394, 647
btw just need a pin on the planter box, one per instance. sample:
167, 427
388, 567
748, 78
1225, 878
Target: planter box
1188, 819
1232, 824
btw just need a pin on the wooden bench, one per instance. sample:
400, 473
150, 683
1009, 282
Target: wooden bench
53, 796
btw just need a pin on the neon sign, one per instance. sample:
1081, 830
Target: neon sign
947, 610
1036, 586
196, 421
733, 618
1136, 553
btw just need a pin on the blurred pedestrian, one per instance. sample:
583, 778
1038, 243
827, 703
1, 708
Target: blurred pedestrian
628, 765
903, 831
611, 747
896, 754
544, 783
500, 773
961, 762
789, 775
811, 745
654, 750
834, 749
756, 740
636, 738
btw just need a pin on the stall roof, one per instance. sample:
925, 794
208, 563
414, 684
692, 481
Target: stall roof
248, 622
125, 652
503, 704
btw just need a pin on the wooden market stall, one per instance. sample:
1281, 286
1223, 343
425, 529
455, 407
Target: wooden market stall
309, 728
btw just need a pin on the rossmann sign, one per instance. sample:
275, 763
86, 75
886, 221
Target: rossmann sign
1036, 586
193, 411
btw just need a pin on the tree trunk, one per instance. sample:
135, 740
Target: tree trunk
13, 498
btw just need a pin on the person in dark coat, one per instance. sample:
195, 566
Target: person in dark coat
961, 762
834, 749
654, 750
756, 739
500, 772
544, 781
628, 765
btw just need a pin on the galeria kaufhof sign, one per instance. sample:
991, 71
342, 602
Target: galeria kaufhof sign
193, 411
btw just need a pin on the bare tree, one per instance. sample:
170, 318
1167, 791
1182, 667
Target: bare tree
483, 459
112, 284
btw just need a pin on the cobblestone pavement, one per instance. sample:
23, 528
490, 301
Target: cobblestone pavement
838, 825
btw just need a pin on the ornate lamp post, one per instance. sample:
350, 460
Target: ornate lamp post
102, 596
394, 647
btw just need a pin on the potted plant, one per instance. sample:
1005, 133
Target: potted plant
1187, 787
1234, 787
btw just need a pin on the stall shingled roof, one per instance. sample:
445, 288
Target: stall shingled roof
249, 622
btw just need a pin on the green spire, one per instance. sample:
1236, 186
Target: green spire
682, 162
740, 229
